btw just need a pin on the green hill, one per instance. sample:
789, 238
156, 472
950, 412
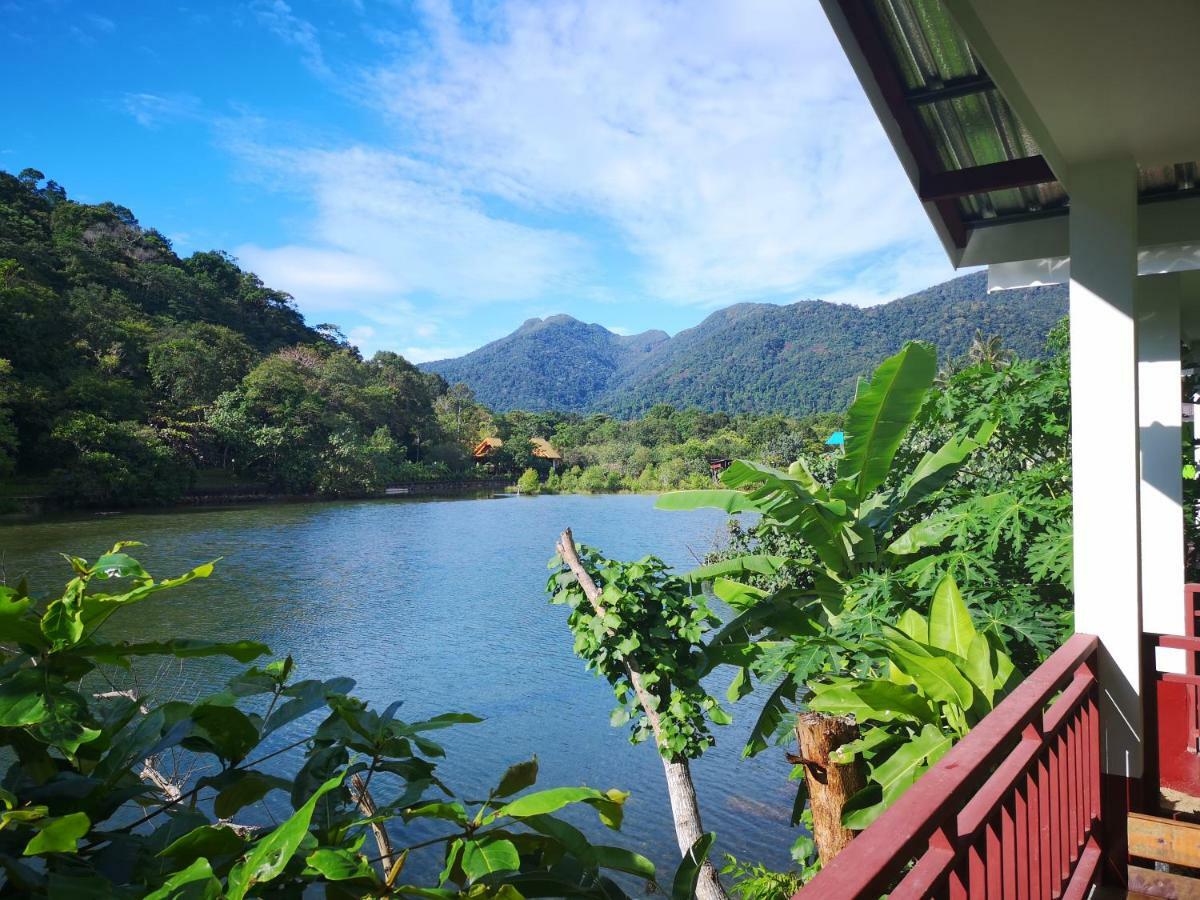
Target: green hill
128, 372
753, 357
556, 363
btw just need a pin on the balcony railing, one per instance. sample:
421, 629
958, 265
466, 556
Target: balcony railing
1011, 811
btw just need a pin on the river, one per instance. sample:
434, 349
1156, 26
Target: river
440, 603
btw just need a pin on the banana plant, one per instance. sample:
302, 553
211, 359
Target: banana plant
938, 678
850, 541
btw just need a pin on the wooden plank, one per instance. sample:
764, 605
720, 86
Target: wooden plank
1164, 840
998, 176
1150, 883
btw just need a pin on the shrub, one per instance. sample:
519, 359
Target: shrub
109, 793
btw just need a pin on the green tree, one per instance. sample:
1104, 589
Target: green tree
93, 773
191, 365
528, 482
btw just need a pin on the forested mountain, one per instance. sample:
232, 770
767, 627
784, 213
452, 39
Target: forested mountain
753, 357
125, 369
552, 363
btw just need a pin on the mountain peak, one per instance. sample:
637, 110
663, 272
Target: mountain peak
750, 357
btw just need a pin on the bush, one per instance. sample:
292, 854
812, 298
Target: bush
110, 794
528, 482
118, 463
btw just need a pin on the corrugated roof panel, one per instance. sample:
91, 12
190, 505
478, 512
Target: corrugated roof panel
966, 120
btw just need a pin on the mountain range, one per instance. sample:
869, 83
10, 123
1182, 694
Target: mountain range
796, 358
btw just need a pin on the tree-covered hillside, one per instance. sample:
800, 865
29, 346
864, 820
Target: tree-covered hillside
552, 363
126, 370
752, 357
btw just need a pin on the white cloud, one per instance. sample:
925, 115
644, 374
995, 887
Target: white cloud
729, 143
278, 17
420, 354
386, 223
152, 110
726, 145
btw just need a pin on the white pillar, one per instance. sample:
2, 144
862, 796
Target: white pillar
1161, 434
1104, 445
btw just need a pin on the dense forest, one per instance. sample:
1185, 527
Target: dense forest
126, 370
753, 357
130, 375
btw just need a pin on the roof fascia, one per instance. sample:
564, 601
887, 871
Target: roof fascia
891, 127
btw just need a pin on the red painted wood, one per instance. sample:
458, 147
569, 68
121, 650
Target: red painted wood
1021, 850
1008, 849
1023, 780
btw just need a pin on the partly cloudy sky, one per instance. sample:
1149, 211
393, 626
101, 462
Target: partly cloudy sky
428, 175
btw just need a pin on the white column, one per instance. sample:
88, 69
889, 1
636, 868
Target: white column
1104, 445
1161, 434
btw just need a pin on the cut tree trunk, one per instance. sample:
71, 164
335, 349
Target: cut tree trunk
830, 784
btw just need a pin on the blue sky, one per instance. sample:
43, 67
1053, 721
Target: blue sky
428, 175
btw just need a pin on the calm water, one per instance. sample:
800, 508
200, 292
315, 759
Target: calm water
441, 603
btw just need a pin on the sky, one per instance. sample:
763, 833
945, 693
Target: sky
427, 175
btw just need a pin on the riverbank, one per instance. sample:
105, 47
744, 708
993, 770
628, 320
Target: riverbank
21, 507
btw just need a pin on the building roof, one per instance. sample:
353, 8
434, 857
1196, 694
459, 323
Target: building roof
976, 151
542, 448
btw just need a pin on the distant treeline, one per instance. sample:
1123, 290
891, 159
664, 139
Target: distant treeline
130, 375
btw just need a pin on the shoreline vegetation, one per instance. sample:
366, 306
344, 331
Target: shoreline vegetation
133, 377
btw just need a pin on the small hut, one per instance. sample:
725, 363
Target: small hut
543, 450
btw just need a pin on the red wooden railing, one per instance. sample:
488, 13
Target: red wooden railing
1191, 607
1010, 812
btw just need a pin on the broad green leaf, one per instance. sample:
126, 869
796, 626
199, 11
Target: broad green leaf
198, 876
622, 860
16, 624
518, 777
119, 565
572, 839
207, 842
488, 856
242, 651
873, 701
272, 853
62, 623
914, 625
548, 801
450, 812
245, 786
683, 885
864, 807
867, 745
935, 470
729, 501
881, 414
752, 564
901, 769
737, 595
339, 864
935, 676
978, 666
928, 533
950, 626
59, 835
224, 730
22, 698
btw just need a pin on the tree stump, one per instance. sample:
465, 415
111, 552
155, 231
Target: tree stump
830, 784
